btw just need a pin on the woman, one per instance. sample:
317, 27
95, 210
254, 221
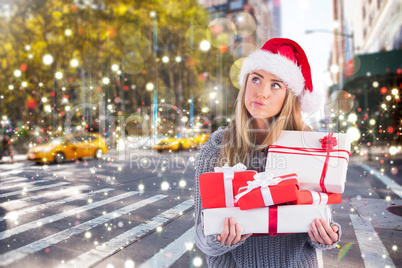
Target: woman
276, 88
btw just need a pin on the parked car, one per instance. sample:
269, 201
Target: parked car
201, 138
67, 148
180, 143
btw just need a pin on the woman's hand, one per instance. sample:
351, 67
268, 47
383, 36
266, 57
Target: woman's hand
231, 233
322, 233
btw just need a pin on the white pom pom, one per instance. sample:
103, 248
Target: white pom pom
310, 101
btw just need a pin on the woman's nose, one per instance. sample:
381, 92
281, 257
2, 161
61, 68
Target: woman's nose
264, 93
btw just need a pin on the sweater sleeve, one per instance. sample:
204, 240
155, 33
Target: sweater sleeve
325, 247
205, 162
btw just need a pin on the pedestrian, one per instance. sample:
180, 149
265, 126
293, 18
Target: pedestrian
6, 144
276, 87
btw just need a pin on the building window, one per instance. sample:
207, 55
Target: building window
364, 12
235, 4
378, 4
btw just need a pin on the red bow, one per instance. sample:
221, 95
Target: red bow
328, 142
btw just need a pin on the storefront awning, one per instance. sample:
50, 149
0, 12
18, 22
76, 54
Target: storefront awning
369, 65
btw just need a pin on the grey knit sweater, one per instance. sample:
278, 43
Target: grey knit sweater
292, 250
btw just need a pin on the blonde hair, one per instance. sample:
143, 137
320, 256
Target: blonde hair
239, 139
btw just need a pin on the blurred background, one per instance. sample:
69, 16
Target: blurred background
140, 85
141, 73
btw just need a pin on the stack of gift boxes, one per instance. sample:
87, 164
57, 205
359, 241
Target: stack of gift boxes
305, 172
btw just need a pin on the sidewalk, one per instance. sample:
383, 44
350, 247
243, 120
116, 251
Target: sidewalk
17, 158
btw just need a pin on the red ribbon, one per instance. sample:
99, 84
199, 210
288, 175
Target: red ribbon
327, 143
272, 219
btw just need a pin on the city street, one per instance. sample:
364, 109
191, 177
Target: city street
138, 211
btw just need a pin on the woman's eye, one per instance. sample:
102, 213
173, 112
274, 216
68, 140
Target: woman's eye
276, 85
256, 80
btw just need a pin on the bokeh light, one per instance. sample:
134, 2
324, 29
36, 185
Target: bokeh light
354, 133
245, 24
234, 73
222, 32
341, 102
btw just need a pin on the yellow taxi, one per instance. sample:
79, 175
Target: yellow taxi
173, 144
201, 138
181, 143
68, 148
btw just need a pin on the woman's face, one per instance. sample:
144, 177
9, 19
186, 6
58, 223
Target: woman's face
265, 94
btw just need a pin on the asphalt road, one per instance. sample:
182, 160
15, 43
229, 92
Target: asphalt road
136, 210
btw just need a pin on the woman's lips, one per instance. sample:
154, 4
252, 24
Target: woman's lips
258, 103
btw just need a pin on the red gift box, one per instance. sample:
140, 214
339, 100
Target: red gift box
316, 198
218, 188
267, 190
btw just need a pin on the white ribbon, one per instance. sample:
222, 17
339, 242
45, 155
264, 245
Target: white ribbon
228, 175
319, 198
263, 180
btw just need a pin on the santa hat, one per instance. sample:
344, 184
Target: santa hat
285, 59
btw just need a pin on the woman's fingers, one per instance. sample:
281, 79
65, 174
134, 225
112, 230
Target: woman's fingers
225, 231
330, 231
325, 231
238, 234
310, 233
316, 234
231, 233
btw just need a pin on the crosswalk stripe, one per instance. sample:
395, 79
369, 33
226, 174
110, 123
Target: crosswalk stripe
14, 214
175, 249
16, 170
21, 184
24, 251
33, 189
123, 240
23, 202
12, 179
389, 183
374, 253
319, 258
65, 214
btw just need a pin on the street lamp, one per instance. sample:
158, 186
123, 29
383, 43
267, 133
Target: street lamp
336, 33
153, 15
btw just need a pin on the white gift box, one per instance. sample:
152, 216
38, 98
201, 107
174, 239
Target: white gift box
286, 218
319, 169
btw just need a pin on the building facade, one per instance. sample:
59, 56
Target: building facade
368, 48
